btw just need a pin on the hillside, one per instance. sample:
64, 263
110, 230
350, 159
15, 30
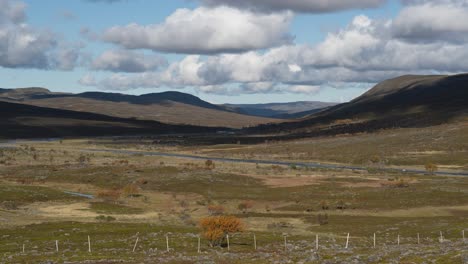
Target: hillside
26, 121
406, 101
290, 110
167, 107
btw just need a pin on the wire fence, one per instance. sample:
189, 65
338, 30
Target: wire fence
241, 242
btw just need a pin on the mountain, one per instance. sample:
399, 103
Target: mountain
280, 110
406, 101
26, 121
166, 107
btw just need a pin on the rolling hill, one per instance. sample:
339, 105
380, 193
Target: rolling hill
26, 121
406, 101
167, 107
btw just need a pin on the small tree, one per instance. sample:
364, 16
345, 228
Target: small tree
431, 168
215, 228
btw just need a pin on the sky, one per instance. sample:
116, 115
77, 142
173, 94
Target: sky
229, 51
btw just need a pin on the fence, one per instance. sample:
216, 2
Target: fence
244, 242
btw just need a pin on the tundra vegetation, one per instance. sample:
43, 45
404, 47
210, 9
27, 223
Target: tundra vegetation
128, 203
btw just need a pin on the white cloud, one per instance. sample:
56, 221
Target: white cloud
12, 11
365, 51
300, 6
87, 80
127, 61
206, 31
305, 89
23, 46
433, 21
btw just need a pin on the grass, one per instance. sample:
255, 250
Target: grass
115, 241
176, 193
109, 240
444, 145
28, 194
428, 191
109, 208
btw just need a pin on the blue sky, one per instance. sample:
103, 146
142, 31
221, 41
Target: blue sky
228, 51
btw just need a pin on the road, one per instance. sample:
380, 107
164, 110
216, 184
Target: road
12, 144
274, 162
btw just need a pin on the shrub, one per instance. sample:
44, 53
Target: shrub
244, 206
431, 168
215, 228
215, 209
396, 183
209, 164
184, 204
82, 159
109, 195
131, 190
9, 205
402, 184
340, 205
324, 205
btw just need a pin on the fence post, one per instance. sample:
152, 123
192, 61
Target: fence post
255, 241
418, 238
56, 246
463, 235
167, 243
374, 240
23, 248
398, 239
316, 242
199, 250
285, 242
89, 244
136, 243
228, 245
441, 239
347, 241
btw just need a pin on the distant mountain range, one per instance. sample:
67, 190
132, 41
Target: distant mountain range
280, 110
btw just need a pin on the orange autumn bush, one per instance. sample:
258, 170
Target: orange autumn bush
215, 228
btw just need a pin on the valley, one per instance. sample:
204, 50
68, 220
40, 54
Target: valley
141, 189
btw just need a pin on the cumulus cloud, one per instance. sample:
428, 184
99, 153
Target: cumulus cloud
364, 52
127, 61
12, 12
433, 20
300, 6
206, 31
23, 46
